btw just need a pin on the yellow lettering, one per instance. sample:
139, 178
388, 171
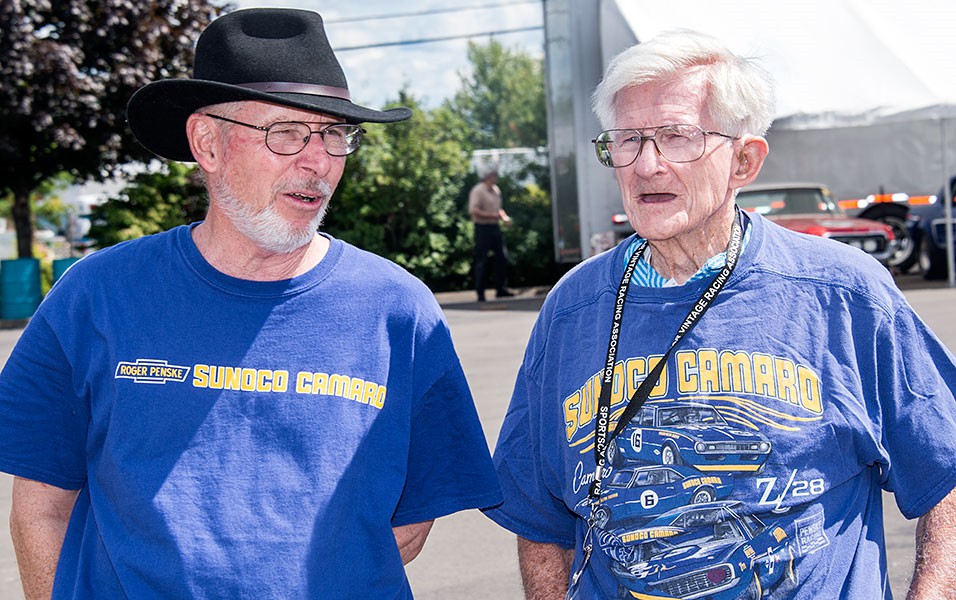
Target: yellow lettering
320, 383
708, 370
380, 397
571, 404
303, 383
368, 392
764, 382
687, 380
786, 381
339, 385
356, 392
264, 381
811, 388
201, 376
736, 373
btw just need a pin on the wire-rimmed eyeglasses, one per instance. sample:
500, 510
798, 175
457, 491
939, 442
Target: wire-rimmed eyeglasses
678, 143
290, 137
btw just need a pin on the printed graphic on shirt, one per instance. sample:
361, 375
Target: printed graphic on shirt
144, 370
247, 379
686, 510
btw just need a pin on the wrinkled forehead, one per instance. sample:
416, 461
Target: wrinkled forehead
682, 98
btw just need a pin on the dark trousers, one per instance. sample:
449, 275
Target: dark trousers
488, 238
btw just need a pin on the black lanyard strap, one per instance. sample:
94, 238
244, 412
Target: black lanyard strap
705, 301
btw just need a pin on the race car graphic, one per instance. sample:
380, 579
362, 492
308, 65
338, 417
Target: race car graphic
688, 433
713, 551
635, 494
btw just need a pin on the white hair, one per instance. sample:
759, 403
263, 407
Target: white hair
486, 169
740, 90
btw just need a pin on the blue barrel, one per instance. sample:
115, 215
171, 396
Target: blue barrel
19, 288
60, 265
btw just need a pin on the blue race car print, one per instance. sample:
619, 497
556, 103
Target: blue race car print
688, 433
714, 551
634, 494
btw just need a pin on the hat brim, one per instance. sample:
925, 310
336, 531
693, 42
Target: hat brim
157, 112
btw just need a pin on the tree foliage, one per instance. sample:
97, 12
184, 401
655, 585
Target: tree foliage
154, 201
67, 69
502, 100
398, 196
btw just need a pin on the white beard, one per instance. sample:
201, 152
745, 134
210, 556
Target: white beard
266, 228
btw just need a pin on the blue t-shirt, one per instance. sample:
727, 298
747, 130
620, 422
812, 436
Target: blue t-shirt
239, 439
757, 464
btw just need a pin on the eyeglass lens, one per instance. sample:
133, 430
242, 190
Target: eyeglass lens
291, 137
676, 143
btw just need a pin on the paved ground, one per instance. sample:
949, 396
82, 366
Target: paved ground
468, 556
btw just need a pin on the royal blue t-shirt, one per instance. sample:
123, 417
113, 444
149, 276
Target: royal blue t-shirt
757, 464
239, 439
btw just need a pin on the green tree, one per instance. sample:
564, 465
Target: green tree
399, 193
67, 69
152, 202
502, 99
502, 102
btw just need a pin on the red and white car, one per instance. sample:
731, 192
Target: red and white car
810, 208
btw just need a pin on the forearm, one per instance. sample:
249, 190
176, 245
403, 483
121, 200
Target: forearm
38, 519
935, 552
545, 569
411, 539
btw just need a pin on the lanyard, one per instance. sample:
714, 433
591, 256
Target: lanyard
601, 439
644, 390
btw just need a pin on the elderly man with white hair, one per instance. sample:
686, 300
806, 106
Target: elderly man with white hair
813, 384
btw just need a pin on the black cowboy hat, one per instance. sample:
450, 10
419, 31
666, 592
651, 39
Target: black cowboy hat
270, 54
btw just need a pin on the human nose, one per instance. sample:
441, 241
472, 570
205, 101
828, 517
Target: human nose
314, 156
649, 159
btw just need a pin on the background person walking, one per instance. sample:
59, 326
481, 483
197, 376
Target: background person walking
484, 206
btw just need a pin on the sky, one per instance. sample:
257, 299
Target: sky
430, 71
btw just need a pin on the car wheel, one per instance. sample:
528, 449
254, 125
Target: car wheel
754, 592
788, 583
669, 456
614, 455
703, 496
932, 260
906, 254
602, 515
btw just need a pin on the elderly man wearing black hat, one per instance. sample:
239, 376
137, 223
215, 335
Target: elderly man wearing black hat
244, 407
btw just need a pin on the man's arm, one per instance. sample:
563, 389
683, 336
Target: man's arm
935, 552
38, 520
545, 569
411, 538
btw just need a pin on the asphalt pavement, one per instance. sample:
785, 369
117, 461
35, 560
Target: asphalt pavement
467, 555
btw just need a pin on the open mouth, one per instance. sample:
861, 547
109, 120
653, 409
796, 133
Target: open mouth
304, 197
654, 198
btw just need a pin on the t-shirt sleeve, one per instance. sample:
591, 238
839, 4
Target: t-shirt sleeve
449, 463
530, 508
43, 422
915, 378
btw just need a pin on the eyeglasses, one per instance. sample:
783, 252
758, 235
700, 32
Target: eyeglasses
290, 137
618, 148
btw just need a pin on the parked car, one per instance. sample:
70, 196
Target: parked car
929, 233
688, 433
810, 208
716, 551
636, 494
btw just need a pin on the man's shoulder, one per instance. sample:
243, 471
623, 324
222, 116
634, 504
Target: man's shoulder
367, 269
130, 253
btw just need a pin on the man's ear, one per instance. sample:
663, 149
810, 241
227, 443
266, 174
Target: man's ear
205, 142
748, 160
